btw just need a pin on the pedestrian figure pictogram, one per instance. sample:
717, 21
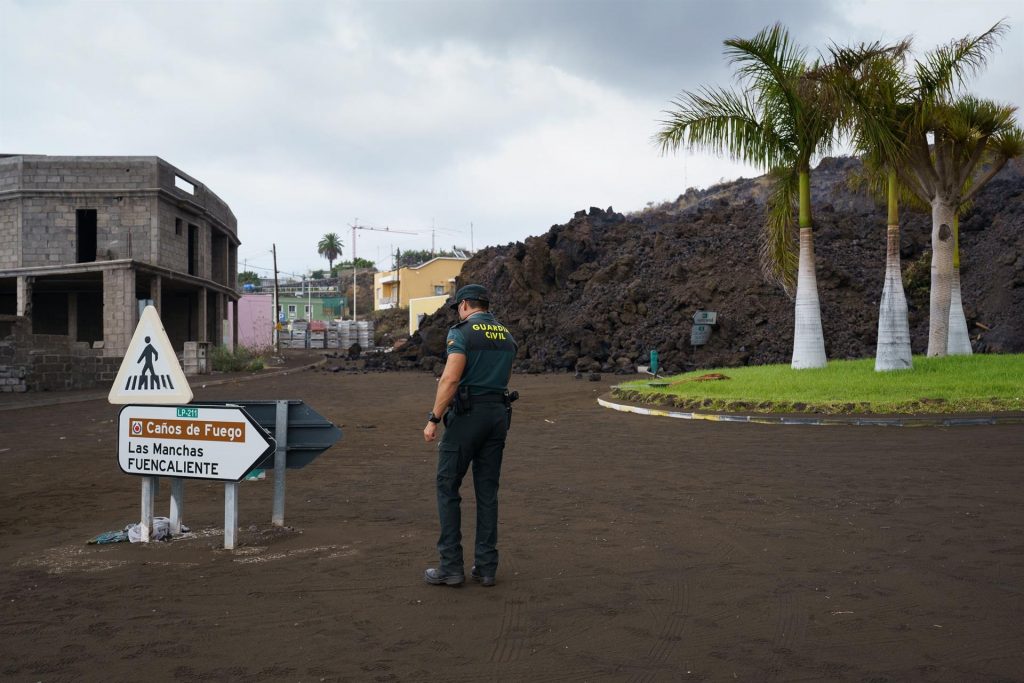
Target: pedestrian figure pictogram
148, 379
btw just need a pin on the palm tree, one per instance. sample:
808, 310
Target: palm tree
1005, 145
948, 137
330, 248
869, 95
775, 123
943, 147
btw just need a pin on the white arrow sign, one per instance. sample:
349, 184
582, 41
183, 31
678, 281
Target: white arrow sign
193, 442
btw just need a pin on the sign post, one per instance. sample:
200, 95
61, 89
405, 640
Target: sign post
280, 461
177, 503
230, 515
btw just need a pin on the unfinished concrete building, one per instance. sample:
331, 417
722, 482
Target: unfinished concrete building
86, 243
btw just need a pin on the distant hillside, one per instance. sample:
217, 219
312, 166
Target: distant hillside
598, 292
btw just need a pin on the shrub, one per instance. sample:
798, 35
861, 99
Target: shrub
239, 360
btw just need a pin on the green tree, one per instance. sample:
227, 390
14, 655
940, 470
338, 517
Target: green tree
775, 122
347, 265
329, 247
247, 277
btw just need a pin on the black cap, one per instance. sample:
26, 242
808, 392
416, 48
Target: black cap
470, 292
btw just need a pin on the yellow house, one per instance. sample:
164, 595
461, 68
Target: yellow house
435, 278
421, 308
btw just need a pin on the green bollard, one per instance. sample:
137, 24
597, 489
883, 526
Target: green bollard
654, 362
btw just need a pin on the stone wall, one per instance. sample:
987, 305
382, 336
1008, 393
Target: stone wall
44, 362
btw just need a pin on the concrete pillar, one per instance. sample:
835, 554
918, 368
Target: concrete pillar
156, 291
201, 315
73, 316
234, 324
24, 287
120, 310
219, 321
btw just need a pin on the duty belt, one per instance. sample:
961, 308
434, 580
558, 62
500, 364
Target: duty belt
488, 398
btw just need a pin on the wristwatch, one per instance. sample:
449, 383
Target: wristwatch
433, 418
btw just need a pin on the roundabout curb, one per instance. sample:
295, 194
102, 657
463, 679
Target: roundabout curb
834, 420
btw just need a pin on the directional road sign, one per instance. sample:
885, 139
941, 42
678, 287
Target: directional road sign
307, 432
193, 442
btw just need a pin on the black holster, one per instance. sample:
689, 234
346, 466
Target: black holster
463, 401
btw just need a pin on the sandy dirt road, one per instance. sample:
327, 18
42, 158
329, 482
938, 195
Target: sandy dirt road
633, 549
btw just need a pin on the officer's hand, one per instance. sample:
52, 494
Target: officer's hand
430, 432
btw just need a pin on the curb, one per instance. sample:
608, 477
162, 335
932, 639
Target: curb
835, 420
43, 403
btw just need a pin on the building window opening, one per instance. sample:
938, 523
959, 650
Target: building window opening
438, 290
291, 310
177, 227
193, 244
307, 310
85, 232
183, 184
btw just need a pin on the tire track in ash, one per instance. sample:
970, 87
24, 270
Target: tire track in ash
508, 645
790, 631
672, 624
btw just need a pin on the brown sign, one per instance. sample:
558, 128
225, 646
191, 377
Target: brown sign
186, 430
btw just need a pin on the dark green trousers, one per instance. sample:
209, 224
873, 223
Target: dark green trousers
476, 438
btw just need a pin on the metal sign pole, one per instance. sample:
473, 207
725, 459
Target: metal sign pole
148, 496
230, 515
280, 461
177, 503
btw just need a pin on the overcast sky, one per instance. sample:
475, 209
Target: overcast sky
307, 116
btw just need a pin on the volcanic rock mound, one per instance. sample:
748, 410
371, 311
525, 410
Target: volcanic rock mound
601, 291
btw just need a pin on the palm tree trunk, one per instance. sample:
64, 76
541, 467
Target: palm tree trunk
959, 341
808, 338
893, 350
942, 277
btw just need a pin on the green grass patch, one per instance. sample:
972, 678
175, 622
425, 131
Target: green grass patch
956, 384
239, 360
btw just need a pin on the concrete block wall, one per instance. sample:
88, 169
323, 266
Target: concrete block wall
48, 228
120, 310
87, 173
173, 248
43, 362
10, 233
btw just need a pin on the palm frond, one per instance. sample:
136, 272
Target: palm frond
943, 70
768, 60
777, 248
719, 120
1008, 142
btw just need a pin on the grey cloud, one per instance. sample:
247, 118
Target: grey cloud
634, 46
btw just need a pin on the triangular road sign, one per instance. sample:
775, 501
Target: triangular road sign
150, 372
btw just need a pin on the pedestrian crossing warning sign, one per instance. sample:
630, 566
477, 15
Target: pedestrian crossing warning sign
150, 372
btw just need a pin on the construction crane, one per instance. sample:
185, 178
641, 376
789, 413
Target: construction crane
355, 226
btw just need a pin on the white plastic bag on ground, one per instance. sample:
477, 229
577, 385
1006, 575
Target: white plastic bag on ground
161, 530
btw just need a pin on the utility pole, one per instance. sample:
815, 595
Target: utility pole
398, 277
356, 226
277, 299
471, 248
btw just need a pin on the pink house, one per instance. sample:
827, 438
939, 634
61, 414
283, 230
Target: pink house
255, 320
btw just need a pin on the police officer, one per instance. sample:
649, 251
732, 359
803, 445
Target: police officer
473, 398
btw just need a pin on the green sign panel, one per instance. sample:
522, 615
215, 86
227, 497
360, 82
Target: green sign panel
188, 412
